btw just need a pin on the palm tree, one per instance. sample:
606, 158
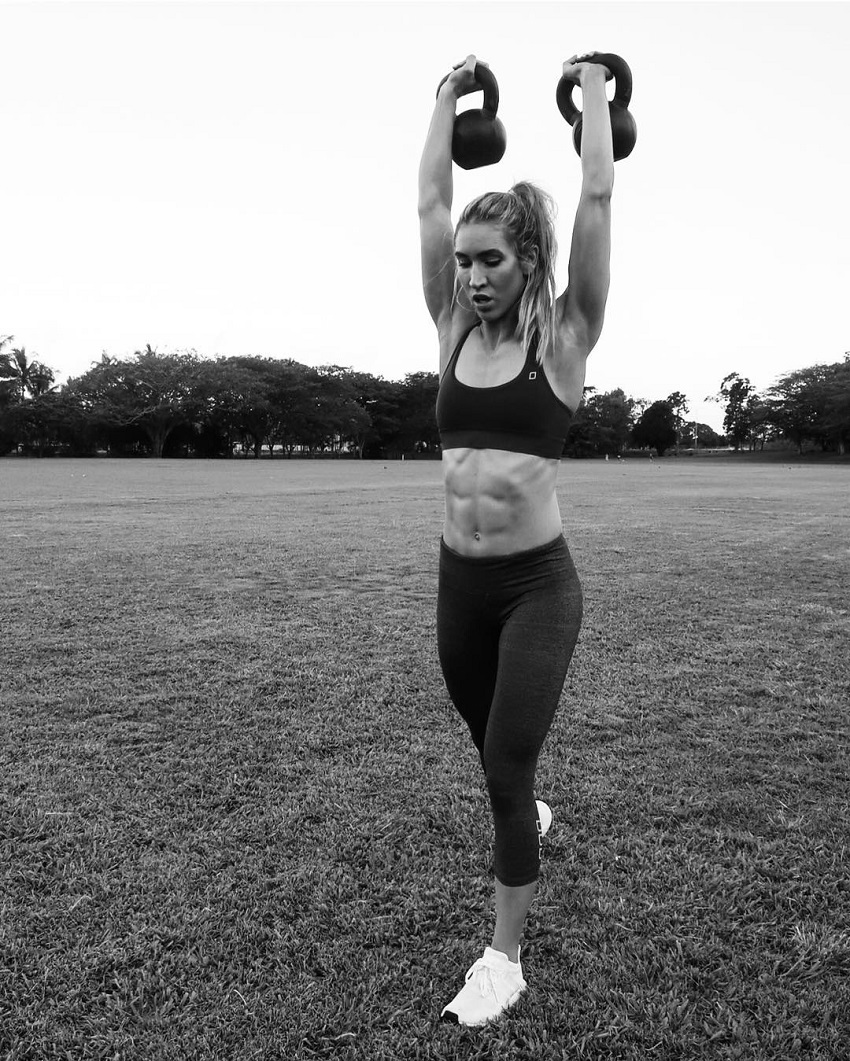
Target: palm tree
20, 377
6, 386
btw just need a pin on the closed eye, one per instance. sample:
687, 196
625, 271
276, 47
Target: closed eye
491, 263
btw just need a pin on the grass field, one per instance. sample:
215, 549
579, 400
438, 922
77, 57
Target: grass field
239, 818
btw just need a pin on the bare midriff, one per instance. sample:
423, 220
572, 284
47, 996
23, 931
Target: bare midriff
499, 502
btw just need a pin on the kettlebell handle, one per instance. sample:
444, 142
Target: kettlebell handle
484, 77
622, 85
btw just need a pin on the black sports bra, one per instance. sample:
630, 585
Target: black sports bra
523, 415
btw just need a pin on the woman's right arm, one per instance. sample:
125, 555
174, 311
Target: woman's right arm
435, 197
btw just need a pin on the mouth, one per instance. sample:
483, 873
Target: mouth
480, 301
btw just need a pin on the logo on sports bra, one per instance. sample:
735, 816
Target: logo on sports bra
532, 375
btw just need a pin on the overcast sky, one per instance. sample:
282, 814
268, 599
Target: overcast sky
240, 178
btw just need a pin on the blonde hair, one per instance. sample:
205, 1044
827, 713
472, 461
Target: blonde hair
527, 214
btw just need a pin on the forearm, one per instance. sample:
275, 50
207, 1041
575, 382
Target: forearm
597, 151
435, 168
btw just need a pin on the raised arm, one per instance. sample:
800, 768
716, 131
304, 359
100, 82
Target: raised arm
435, 196
581, 308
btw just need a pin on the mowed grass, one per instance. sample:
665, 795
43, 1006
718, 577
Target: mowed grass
240, 819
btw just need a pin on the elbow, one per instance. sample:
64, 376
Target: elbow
598, 182
597, 176
598, 193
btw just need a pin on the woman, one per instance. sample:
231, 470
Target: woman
512, 368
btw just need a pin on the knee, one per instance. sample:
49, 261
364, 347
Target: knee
510, 784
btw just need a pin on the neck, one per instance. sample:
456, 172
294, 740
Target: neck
496, 333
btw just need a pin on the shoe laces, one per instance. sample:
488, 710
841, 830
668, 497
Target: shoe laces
487, 975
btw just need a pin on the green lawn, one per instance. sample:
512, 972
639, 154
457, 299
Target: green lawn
240, 819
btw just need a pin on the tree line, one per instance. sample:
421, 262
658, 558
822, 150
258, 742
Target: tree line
153, 404
807, 405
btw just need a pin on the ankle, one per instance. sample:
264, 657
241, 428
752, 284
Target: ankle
510, 952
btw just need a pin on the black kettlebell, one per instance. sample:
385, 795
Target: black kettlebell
623, 127
479, 137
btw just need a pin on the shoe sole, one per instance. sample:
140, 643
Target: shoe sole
450, 1017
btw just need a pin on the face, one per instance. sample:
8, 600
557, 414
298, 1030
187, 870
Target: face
488, 268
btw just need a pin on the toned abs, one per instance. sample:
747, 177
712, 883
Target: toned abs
498, 502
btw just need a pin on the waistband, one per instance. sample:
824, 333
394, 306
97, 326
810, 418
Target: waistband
557, 545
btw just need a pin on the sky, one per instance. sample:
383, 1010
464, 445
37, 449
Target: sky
241, 178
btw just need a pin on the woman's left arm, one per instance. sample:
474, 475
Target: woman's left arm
581, 308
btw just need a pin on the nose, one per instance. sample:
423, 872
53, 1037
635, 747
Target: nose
477, 278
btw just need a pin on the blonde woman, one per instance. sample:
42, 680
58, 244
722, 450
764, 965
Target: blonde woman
512, 369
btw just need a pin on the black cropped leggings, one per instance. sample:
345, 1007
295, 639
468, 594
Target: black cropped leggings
506, 630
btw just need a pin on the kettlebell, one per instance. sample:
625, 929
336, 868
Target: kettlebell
479, 138
623, 127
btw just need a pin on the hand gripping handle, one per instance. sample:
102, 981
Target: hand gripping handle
484, 77
622, 86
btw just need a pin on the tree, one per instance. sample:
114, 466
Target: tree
602, 423
341, 420
8, 374
836, 418
656, 428
222, 388
24, 384
759, 415
679, 404
21, 378
417, 431
735, 391
383, 400
264, 399
704, 435
38, 424
152, 392
812, 404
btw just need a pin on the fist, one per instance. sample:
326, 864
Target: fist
462, 78
579, 66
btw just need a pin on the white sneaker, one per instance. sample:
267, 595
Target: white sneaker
544, 813
492, 985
